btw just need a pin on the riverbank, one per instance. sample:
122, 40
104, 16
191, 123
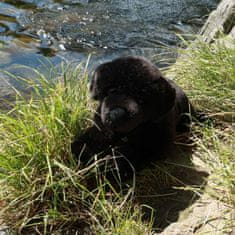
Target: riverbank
42, 189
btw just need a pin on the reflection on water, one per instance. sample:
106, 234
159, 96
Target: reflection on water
32, 30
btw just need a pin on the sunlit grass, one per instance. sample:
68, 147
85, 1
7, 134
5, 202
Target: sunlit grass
43, 188
207, 73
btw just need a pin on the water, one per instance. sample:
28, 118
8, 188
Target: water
31, 31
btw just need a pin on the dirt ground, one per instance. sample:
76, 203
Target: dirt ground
183, 205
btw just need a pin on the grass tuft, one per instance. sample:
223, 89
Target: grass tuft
43, 188
207, 73
40, 180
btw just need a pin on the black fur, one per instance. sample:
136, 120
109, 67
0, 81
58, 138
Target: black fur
140, 112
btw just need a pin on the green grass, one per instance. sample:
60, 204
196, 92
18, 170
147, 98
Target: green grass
207, 73
43, 188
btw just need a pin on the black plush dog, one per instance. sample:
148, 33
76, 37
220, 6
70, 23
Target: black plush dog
139, 113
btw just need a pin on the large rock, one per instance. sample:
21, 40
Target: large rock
206, 216
221, 20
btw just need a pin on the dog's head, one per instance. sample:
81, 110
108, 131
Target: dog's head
131, 91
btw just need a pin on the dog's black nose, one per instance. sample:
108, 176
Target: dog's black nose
116, 114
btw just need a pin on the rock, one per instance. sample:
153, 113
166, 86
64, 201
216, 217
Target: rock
207, 216
232, 33
222, 20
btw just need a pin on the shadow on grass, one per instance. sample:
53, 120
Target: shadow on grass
170, 187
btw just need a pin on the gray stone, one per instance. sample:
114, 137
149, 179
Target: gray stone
222, 20
206, 216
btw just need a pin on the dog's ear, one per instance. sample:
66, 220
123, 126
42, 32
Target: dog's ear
100, 80
164, 95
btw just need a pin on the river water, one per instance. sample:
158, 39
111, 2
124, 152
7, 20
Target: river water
33, 31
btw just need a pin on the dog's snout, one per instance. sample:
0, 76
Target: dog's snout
116, 114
